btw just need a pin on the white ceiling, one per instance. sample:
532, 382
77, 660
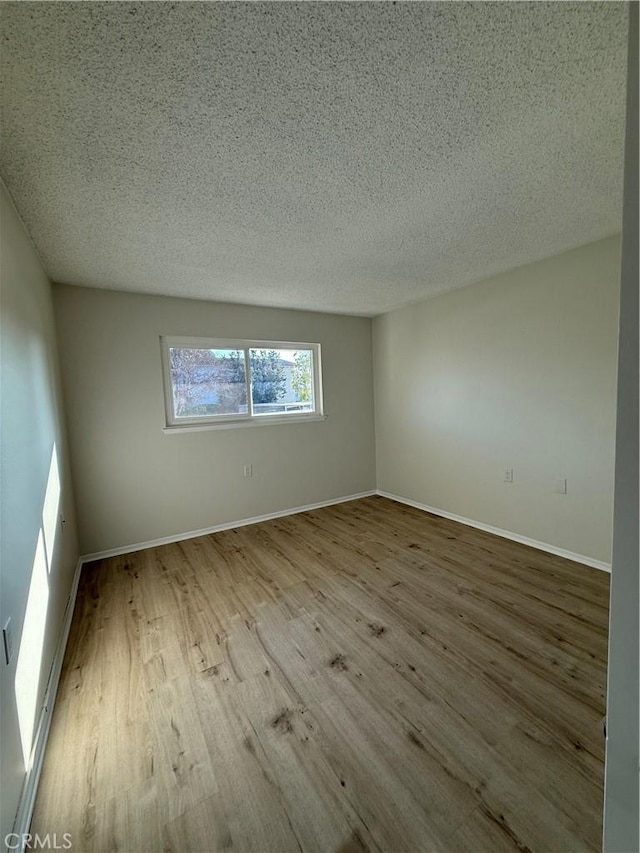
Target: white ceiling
339, 157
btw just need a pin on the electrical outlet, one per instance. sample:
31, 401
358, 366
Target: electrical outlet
7, 641
508, 475
561, 486
247, 471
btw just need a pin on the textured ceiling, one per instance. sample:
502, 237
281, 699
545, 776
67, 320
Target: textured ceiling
340, 157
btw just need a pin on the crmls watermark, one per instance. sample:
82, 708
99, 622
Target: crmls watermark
50, 841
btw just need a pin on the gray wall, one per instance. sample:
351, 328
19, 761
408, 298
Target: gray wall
135, 483
518, 371
621, 776
33, 544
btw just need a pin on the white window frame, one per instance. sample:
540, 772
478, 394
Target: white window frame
175, 424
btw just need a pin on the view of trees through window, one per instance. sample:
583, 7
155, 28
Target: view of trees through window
209, 382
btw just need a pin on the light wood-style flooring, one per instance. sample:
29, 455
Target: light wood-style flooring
361, 677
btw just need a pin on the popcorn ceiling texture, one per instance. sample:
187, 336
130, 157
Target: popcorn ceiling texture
337, 157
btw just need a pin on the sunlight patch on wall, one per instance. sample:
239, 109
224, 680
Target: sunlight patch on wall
31, 647
51, 507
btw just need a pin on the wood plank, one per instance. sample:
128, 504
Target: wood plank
361, 677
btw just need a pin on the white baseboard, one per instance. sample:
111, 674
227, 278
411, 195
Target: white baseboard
217, 528
32, 777
504, 534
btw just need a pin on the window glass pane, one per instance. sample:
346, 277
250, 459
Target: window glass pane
207, 382
281, 381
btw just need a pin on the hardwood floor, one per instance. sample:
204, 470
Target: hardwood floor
361, 677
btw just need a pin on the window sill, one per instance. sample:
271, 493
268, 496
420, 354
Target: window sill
265, 420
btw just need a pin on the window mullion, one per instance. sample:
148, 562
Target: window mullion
247, 373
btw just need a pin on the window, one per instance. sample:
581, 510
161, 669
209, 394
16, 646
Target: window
209, 382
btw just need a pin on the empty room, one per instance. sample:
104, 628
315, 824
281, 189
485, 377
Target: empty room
319, 427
